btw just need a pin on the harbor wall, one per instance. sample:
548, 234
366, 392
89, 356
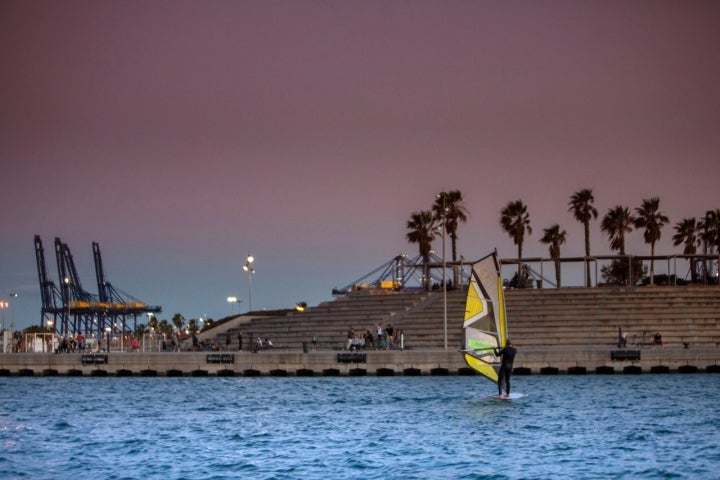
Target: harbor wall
344, 363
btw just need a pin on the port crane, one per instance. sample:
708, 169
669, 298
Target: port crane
68, 309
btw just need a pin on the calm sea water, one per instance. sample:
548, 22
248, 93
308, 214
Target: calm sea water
616, 426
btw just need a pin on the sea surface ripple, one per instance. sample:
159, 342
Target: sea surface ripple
595, 426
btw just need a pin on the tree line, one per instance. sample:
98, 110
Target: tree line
449, 210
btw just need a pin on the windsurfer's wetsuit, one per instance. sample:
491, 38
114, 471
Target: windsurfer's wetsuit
507, 356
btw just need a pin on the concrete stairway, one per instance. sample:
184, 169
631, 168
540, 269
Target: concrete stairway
591, 317
330, 321
537, 318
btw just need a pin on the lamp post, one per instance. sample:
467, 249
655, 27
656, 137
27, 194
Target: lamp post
107, 338
49, 344
121, 328
150, 316
66, 323
248, 268
232, 301
3, 305
443, 196
12, 312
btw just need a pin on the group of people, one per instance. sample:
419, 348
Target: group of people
261, 344
173, 346
256, 344
378, 338
199, 344
71, 344
622, 339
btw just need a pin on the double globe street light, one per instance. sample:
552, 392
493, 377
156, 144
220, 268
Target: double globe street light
232, 301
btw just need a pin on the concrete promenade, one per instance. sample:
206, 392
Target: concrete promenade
545, 361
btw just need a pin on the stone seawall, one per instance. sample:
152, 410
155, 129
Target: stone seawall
343, 363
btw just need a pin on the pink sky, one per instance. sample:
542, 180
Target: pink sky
182, 135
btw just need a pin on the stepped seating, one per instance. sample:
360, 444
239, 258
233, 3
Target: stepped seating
542, 318
591, 317
330, 321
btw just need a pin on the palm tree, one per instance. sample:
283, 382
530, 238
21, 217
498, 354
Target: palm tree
421, 231
515, 220
554, 237
652, 220
450, 207
616, 223
710, 235
711, 231
686, 233
153, 323
192, 326
581, 206
165, 327
178, 321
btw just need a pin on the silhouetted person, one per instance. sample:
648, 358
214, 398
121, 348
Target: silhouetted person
507, 357
622, 338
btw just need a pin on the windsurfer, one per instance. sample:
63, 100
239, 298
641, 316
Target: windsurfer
507, 355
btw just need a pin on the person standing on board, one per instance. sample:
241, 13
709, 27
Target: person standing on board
507, 357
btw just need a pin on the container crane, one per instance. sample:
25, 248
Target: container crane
118, 305
81, 307
52, 302
69, 309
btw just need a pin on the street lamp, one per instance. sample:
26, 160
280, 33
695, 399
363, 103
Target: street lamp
443, 196
248, 268
152, 331
202, 319
12, 312
232, 301
107, 338
66, 323
3, 306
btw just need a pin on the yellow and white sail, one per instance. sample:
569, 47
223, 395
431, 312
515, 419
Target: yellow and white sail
484, 326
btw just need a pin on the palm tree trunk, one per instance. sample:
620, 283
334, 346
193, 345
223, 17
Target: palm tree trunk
693, 270
426, 275
519, 260
557, 273
652, 263
588, 281
456, 275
